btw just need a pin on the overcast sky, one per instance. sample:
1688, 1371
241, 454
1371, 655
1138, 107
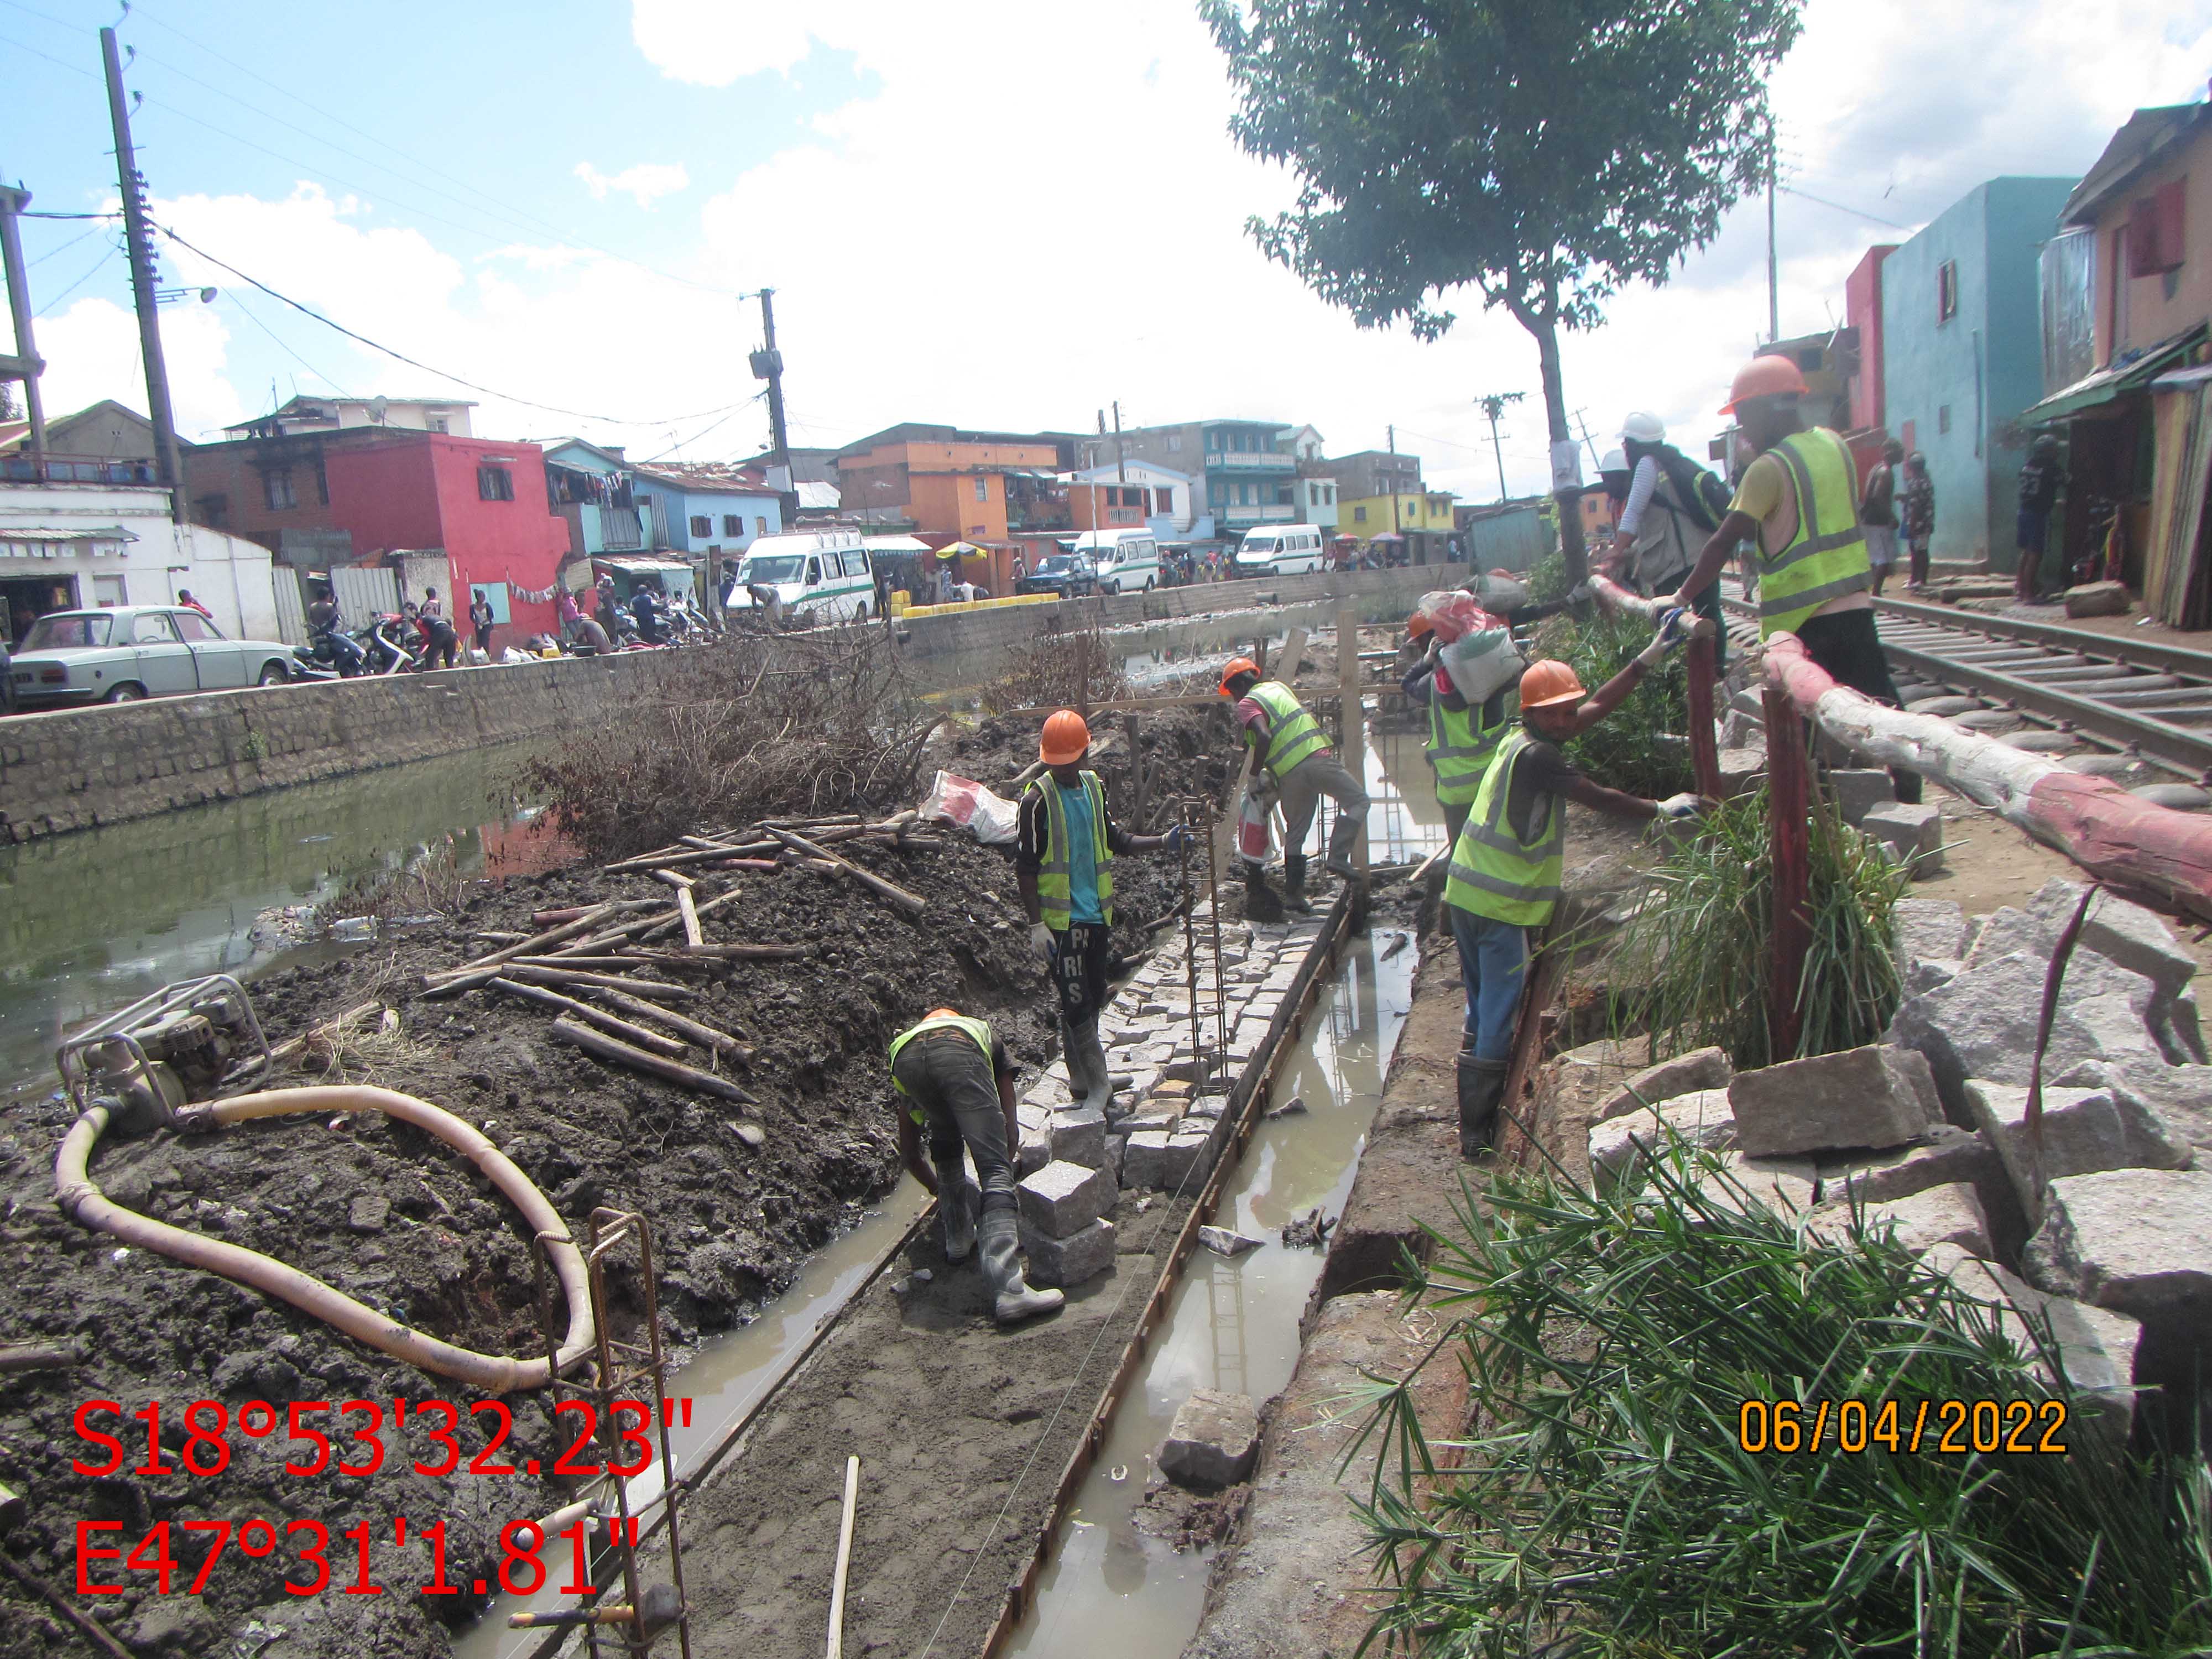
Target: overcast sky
995, 212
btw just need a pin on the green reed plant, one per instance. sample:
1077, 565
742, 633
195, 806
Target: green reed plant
1640, 746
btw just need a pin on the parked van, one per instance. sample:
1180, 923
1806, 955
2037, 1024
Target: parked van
820, 575
1289, 550
1129, 561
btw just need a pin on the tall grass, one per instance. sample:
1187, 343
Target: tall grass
1642, 746
1700, 953
1603, 1506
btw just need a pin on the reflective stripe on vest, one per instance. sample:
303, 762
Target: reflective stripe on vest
1459, 749
1054, 888
1496, 874
1828, 557
1293, 734
974, 1028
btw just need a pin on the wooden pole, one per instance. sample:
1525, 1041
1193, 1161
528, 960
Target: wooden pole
836, 1649
668, 1047
913, 903
1704, 748
1788, 778
705, 1036
1349, 715
621, 1054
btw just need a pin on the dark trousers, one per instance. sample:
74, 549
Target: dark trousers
1079, 970
948, 1079
483, 641
1706, 603
442, 643
1917, 556
1847, 645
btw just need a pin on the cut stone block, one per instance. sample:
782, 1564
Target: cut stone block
2096, 1347
1982, 1025
1035, 1151
1876, 1096
1926, 973
1213, 1442
2127, 934
2084, 1130
1619, 1144
1941, 1215
1062, 1199
1740, 770
1701, 1068
1153, 1122
1082, 1255
1080, 1137
2178, 1032
1914, 833
1859, 790
1785, 1185
1950, 1155
1929, 927
2181, 1094
2097, 599
2138, 1242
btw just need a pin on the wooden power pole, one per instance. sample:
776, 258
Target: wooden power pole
138, 234
767, 365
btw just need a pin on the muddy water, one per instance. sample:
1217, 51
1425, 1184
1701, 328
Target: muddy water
92, 921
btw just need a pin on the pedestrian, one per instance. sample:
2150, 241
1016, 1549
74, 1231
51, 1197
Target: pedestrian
1508, 860
1461, 736
185, 599
609, 611
769, 603
2040, 480
956, 1082
1799, 499
480, 620
645, 610
1021, 570
1666, 518
1878, 513
1294, 753
564, 607
438, 640
1916, 510
1064, 871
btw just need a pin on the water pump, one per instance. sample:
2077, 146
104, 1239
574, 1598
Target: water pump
196, 1040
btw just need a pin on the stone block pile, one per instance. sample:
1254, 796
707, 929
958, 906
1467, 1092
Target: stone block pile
1064, 1230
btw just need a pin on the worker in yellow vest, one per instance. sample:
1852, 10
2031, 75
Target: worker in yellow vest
1507, 864
1461, 736
954, 1080
1295, 757
1800, 498
1064, 857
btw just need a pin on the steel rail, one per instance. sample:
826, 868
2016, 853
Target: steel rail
2142, 654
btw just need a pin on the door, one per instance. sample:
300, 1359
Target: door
222, 663
164, 666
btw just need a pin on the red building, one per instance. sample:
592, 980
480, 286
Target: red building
1863, 311
361, 492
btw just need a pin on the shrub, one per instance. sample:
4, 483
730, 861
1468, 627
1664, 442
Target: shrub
1641, 747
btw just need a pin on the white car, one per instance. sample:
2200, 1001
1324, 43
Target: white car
133, 651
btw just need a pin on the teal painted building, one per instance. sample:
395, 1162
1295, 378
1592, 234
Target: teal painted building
1962, 356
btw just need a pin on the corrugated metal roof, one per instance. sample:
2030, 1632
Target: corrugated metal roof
2142, 135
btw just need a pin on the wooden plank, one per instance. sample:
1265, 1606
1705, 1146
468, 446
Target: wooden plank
692, 936
1351, 717
593, 1042
668, 1047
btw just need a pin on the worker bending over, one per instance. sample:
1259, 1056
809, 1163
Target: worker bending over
1300, 767
1507, 862
1801, 499
1064, 867
955, 1081
1461, 736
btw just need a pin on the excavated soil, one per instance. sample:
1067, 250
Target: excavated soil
396, 1220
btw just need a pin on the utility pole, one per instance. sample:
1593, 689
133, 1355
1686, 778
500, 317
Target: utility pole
1121, 471
1494, 404
1773, 278
1396, 526
1597, 461
138, 234
25, 365
767, 365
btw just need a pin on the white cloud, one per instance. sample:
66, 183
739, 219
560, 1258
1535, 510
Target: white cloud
646, 182
92, 352
712, 43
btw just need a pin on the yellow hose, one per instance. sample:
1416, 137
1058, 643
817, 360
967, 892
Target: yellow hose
77, 1192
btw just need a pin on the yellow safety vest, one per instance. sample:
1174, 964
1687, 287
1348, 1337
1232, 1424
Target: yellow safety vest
974, 1028
1828, 557
1496, 874
1459, 749
1293, 733
1055, 894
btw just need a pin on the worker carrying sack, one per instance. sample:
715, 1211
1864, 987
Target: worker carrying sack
1475, 649
1704, 498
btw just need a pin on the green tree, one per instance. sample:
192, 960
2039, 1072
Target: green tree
1545, 153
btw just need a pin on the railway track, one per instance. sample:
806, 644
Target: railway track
2137, 710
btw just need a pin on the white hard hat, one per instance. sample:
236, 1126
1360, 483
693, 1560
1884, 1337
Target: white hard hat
1644, 428
1614, 461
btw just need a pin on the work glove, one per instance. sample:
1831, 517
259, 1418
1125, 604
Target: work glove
1582, 592
1674, 625
1040, 941
1684, 806
1176, 837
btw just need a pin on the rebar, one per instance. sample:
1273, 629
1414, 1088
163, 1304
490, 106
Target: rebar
1199, 1068
1213, 909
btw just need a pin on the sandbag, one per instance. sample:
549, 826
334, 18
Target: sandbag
1484, 662
991, 818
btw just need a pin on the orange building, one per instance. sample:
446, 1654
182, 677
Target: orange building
947, 485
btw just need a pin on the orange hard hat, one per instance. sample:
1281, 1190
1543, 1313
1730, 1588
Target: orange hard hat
1765, 376
1417, 624
943, 1013
1067, 737
1237, 665
1549, 681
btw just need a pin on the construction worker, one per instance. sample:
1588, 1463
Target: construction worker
1507, 859
955, 1080
1064, 868
1461, 736
1294, 752
1800, 499
1671, 505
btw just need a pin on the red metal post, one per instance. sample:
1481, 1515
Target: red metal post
1790, 785
1704, 751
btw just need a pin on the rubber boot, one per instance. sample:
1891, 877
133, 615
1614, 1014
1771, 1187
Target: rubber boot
1342, 841
1088, 1078
1000, 1237
1260, 902
1294, 884
956, 1214
1481, 1084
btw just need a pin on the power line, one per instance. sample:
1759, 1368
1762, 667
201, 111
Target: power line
99, 265
413, 363
63, 247
695, 436
283, 346
1856, 213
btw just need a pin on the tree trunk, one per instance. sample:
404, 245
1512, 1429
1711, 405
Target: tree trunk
1546, 330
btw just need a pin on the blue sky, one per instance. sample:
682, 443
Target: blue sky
1002, 212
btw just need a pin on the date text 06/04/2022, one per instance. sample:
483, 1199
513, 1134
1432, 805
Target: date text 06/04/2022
1954, 1427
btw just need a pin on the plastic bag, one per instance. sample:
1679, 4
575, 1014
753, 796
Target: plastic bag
1450, 613
1484, 662
992, 819
1253, 835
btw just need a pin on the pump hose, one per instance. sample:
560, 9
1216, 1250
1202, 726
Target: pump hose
80, 1197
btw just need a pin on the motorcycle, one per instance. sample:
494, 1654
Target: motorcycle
329, 654
382, 643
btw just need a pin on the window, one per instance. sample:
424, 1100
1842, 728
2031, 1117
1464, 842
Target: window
701, 526
856, 562
733, 524
495, 483
436, 424
322, 482
277, 489
1946, 290
107, 591
2154, 227
982, 488
1359, 515
813, 572
194, 628
153, 628
1943, 419
760, 526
